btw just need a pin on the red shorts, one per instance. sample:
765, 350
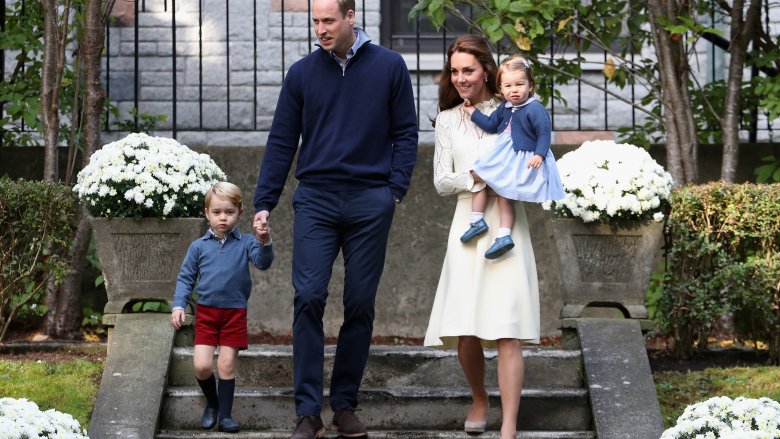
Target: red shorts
221, 326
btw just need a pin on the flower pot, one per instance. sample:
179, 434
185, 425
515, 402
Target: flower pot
602, 265
141, 258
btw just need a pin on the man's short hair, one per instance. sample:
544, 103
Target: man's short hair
346, 6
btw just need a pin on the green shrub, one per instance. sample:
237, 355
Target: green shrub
36, 227
722, 255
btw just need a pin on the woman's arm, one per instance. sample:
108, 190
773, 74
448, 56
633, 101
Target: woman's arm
445, 179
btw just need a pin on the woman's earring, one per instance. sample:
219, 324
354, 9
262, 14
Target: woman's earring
485, 78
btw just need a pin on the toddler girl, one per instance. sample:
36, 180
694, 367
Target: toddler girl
521, 167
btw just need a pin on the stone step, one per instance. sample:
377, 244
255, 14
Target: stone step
391, 367
373, 434
563, 409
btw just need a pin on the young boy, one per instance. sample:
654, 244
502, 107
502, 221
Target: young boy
218, 263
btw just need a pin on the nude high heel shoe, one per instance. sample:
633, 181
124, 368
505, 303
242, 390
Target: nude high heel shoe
474, 427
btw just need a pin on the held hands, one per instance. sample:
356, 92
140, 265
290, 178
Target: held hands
535, 161
261, 227
177, 318
467, 107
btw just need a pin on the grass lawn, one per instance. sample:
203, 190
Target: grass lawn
676, 390
67, 386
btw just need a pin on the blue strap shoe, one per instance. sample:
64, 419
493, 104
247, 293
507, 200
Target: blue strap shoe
209, 418
501, 246
476, 229
228, 425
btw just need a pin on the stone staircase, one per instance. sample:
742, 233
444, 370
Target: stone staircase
407, 392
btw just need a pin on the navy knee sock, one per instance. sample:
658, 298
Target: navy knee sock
226, 390
209, 388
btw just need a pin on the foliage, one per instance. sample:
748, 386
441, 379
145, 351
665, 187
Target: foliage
150, 306
23, 36
723, 254
20, 91
22, 419
613, 183
35, 232
147, 177
722, 417
146, 123
769, 172
556, 34
69, 386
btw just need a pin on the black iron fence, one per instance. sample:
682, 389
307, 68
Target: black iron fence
219, 69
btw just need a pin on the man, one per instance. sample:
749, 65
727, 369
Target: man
351, 104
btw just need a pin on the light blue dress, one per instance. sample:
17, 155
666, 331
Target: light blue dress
506, 171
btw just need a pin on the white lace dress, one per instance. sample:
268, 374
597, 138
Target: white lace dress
490, 299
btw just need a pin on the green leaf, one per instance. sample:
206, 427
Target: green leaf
502, 5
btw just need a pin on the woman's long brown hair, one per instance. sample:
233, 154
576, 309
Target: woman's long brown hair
474, 45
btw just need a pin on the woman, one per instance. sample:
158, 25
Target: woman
479, 302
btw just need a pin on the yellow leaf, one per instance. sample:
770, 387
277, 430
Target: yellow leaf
609, 68
761, 345
519, 26
92, 338
523, 43
562, 23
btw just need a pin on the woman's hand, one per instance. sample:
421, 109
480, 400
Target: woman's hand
477, 178
535, 161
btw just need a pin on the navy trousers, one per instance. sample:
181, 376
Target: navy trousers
358, 224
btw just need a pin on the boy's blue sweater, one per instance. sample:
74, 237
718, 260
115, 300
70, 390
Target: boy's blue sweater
359, 126
221, 271
531, 127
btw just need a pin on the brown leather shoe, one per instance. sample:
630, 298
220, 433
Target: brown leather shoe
347, 424
308, 427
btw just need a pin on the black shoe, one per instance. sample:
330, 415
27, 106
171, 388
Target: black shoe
308, 427
209, 418
228, 425
347, 424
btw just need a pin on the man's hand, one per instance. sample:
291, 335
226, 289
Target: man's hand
261, 227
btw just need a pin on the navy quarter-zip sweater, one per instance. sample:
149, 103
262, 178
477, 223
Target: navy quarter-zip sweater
357, 126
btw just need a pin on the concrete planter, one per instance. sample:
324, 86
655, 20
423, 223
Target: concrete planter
142, 257
605, 266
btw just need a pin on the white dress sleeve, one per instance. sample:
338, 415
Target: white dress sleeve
446, 179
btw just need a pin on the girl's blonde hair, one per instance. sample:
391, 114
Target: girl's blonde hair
512, 64
227, 191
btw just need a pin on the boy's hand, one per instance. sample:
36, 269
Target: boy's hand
261, 227
535, 161
177, 318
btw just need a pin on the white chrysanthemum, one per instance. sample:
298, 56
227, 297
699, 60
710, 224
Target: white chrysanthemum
20, 418
741, 418
141, 175
604, 180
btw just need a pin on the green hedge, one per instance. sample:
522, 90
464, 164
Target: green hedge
36, 228
723, 255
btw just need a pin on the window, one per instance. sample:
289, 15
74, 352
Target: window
400, 34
